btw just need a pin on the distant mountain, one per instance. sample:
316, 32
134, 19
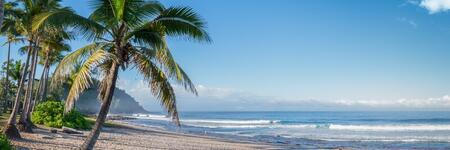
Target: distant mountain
122, 103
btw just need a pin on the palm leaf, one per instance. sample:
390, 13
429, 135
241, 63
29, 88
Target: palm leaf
83, 77
172, 69
68, 63
159, 84
103, 85
67, 18
183, 21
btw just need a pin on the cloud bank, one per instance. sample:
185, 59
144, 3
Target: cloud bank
225, 99
435, 6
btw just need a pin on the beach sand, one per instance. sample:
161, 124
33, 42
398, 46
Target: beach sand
131, 137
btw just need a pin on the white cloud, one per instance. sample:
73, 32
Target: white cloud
407, 2
226, 99
204, 91
435, 6
440, 102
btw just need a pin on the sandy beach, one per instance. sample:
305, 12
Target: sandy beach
131, 137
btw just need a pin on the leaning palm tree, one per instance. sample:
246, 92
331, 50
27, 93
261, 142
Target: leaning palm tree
126, 34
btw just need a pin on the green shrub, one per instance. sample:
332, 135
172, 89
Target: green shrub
75, 119
51, 114
4, 143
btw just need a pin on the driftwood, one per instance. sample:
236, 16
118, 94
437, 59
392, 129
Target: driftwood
70, 130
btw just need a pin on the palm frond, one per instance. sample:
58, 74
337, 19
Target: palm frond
105, 72
174, 70
83, 77
66, 17
159, 84
186, 81
147, 35
183, 21
15, 40
151, 8
131, 12
103, 13
68, 63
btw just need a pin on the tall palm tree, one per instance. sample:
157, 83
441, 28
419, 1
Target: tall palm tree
33, 8
126, 33
14, 74
53, 45
30, 9
24, 123
8, 29
5, 94
6, 88
10, 129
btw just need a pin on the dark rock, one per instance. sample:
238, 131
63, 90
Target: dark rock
122, 103
53, 130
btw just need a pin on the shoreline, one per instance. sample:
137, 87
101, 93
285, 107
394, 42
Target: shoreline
128, 136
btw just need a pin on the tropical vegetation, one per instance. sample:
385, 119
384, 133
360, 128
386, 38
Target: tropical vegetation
5, 144
124, 34
51, 114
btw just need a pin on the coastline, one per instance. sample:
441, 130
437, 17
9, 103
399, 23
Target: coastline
127, 136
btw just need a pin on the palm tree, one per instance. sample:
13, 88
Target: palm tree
10, 129
9, 86
5, 94
126, 33
24, 123
5, 102
30, 9
53, 46
8, 29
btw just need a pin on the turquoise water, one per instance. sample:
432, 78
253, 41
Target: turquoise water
366, 130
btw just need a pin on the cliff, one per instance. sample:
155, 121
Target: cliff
122, 103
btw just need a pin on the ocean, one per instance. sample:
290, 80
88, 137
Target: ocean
297, 130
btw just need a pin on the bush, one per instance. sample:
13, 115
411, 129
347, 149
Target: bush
75, 119
4, 143
51, 114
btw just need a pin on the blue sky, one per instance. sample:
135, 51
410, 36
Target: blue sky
311, 55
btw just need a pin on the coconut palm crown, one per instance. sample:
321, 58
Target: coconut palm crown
125, 34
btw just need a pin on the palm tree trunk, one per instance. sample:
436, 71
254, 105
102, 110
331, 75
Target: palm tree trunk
39, 90
31, 100
43, 87
29, 124
2, 11
10, 129
24, 121
5, 105
44, 91
91, 139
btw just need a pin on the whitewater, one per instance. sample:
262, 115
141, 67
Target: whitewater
397, 130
